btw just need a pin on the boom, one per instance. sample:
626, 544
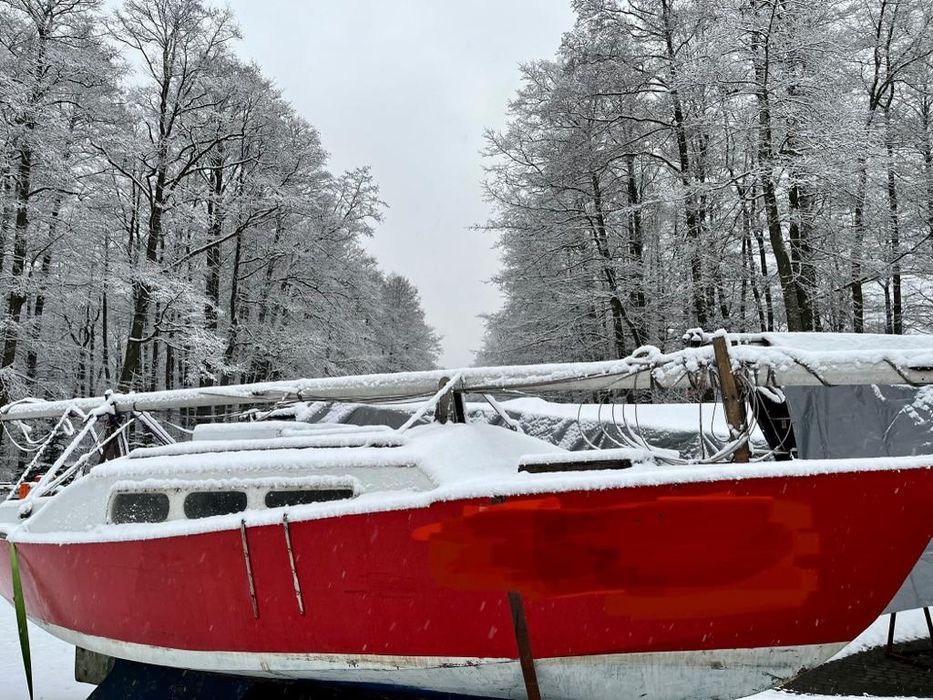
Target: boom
772, 360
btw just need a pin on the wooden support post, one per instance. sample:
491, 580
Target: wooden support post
459, 407
450, 406
525, 656
731, 399
889, 647
444, 406
926, 614
91, 667
113, 449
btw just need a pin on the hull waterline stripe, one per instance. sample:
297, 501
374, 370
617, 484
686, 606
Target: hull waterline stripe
19, 602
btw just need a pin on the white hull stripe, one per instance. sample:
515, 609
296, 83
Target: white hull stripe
673, 675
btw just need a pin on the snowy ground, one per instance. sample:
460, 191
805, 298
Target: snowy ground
53, 660
52, 664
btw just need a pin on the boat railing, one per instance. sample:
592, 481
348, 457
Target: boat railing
738, 367
100, 427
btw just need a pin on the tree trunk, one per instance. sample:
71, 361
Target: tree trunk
212, 282
858, 242
926, 146
6, 214
636, 251
32, 356
105, 314
897, 309
620, 318
142, 292
22, 192
766, 164
763, 263
800, 202
691, 210
748, 257
234, 308
17, 296
215, 231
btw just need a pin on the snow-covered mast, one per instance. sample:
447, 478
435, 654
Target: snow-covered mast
769, 360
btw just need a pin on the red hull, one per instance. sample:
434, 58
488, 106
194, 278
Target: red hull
750, 563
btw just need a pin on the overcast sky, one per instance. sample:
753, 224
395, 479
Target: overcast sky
407, 86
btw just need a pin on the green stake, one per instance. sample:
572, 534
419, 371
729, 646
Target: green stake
20, 604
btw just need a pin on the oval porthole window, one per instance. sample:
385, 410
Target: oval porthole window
204, 504
139, 508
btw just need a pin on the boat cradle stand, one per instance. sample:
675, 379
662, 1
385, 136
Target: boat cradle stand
917, 657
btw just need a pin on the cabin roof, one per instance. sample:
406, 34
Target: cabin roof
447, 454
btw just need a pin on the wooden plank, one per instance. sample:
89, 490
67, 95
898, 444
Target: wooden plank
525, 656
732, 400
460, 415
444, 407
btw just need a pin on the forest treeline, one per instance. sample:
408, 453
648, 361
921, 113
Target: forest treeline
167, 219
749, 164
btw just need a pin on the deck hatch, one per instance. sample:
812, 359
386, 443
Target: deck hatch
204, 504
139, 508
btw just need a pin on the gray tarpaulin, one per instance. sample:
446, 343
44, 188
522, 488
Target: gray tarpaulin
575, 435
869, 421
860, 421
568, 433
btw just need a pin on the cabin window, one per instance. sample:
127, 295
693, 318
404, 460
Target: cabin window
297, 497
575, 466
204, 504
139, 508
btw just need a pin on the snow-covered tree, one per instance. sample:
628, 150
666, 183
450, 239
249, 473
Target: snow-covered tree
758, 166
167, 219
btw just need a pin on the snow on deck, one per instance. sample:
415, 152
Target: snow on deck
341, 439
258, 430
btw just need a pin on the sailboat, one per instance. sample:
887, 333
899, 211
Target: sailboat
455, 556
